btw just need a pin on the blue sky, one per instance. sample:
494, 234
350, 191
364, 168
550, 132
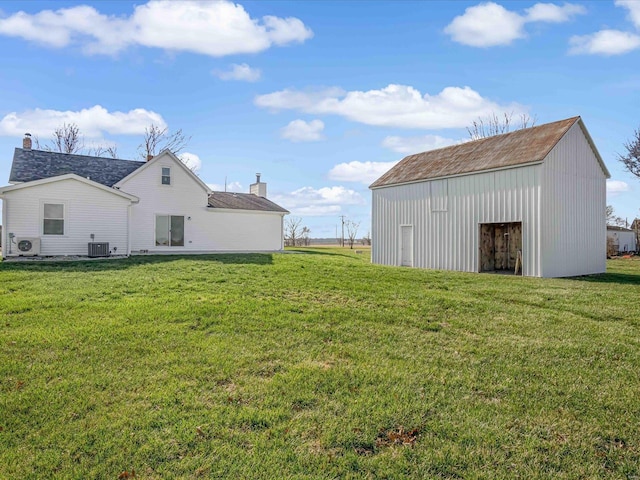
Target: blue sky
320, 97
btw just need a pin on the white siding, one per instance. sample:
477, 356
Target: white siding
446, 215
87, 210
242, 230
573, 205
206, 229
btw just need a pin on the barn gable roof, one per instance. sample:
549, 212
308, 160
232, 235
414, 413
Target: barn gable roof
29, 165
525, 146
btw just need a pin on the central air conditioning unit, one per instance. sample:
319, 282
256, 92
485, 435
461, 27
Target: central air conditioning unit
98, 249
28, 246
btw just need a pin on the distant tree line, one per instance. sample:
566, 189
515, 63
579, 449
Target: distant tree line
297, 235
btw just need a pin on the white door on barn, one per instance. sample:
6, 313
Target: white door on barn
406, 245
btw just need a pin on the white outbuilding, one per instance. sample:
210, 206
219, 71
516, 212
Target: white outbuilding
620, 240
532, 200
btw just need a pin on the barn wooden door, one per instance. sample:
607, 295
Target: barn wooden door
487, 263
501, 242
499, 246
515, 243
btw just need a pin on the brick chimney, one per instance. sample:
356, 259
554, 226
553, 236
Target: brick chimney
26, 141
149, 157
259, 188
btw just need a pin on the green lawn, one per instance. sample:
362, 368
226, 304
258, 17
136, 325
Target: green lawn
315, 365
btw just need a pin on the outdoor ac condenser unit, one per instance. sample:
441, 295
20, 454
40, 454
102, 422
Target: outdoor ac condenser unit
28, 246
98, 249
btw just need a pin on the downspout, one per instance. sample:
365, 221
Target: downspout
5, 230
129, 229
282, 231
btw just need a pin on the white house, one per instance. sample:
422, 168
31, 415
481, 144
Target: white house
534, 197
64, 204
622, 239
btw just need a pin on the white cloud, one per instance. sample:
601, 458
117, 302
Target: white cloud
489, 24
317, 210
231, 187
634, 10
93, 122
486, 25
308, 201
615, 187
418, 144
548, 12
608, 41
393, 106
210, 28
301, 131
364, 172
604, 42
191, 160
241, 72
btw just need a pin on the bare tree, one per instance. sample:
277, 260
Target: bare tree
635, 225
292, 230
102, 151
37, 145
304, 237
631, 159
352, 231
613, 219
157, 139
366, 240
612, 247
497, 125
67, 139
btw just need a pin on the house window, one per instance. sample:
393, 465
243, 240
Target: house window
53, 219
169, 231
166, 176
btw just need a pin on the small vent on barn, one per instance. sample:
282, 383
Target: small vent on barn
98, 249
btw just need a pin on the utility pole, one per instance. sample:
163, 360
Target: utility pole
342, 239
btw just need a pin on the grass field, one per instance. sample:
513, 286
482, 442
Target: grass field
315, 365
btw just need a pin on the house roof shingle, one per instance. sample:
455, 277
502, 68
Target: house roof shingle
243, 201
29, 165
524, 146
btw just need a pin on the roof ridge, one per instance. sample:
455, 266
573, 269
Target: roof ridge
490, 137
78, 155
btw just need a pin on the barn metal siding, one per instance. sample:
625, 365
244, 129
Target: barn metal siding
573, 209
446, 215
